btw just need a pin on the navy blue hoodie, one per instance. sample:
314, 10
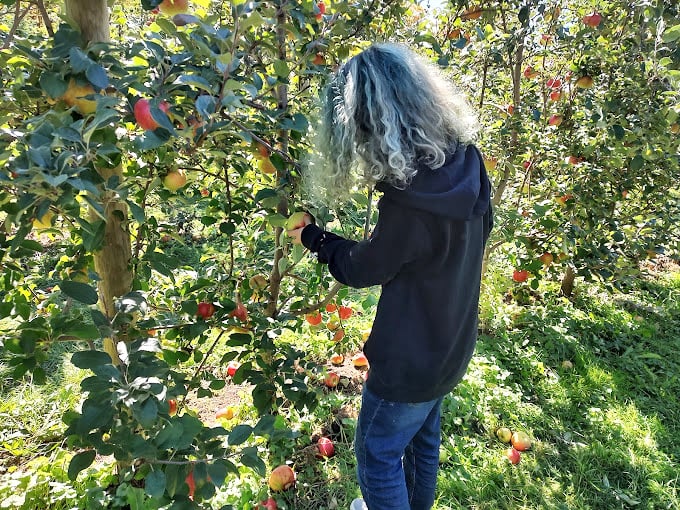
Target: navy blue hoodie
426, 251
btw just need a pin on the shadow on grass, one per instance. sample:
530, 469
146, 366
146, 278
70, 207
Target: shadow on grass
595, 383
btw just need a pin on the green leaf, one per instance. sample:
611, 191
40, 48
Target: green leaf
281, 68
53, 85
80, 62
250, 459
672, 34
90, 359
155, 483
239, 434
80, 461
218, 471
97, 76
79, 291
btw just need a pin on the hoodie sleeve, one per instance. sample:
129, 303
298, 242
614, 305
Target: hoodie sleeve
398, 238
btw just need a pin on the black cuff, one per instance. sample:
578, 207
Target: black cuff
311, 237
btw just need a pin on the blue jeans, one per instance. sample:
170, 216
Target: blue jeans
397, 450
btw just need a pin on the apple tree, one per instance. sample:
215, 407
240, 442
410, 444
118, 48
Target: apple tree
579, 104
153, 156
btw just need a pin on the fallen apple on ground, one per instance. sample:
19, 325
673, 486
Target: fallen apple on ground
504, 434
331, 380
513, 455
325, 447
267, 504
520, 441
337, 359
226, 413
281, 478
360, 360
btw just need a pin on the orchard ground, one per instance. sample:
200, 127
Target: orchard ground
592, 380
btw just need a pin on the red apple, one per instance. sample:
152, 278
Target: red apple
555, 120
513, 455
526, 164
546, 258
172, 7
331, 380
472, 13
360, 360
345, 312
322, 10
267, 504
142, 112
191, 483
504, 434
172, 404
314, 318
530, 73
520, 275
555, 95
205, 310
592, 20
326, 447
554, 83
205, 192
240, 312
331, 307
174, 180
281, 478
339, 335
232, 367
520, 441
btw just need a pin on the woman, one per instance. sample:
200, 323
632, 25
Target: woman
401, 124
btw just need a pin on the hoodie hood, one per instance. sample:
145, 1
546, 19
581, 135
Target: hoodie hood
458, 190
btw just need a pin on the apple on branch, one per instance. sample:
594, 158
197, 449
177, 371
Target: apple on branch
143, 116
584, 82
174, 180
298, 220
172, 7
592, 20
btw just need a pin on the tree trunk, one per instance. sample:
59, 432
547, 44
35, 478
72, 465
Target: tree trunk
112, 262
91, 17
567, 288
282, 207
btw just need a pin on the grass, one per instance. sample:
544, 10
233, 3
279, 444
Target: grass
593, 380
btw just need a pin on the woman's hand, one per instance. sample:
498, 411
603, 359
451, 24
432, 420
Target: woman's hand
299, 225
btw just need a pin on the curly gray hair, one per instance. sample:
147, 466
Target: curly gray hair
386, 112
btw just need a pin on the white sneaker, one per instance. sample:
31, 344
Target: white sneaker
358, 504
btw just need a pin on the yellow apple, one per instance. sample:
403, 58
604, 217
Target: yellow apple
75, 95
174, 180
